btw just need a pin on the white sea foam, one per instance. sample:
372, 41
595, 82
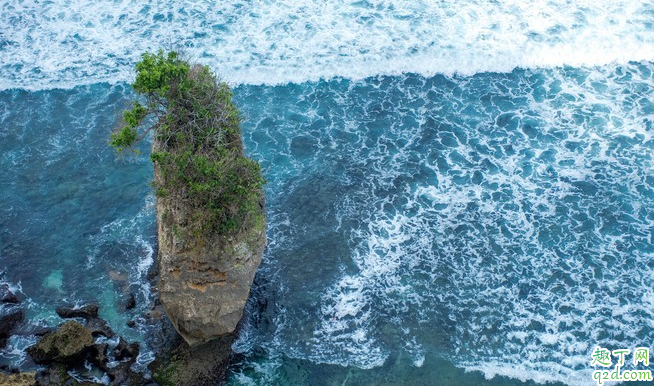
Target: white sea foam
508, 266
67, 43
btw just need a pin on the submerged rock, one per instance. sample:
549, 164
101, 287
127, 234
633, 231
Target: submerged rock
123, 375
69, 344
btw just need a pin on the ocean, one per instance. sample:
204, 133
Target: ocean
459, 193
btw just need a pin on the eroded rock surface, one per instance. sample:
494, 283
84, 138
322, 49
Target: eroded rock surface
204, 285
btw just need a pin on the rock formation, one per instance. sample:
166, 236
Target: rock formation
18, 379
210, 208
70, 344
204, 284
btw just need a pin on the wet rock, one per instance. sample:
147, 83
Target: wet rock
87, 311
68, 345
6, 296
131, 302
123, 375
57, 374
18, 379
124, 350
131, 323
153, 272
164, 339
100, 327
98, 356
9, 320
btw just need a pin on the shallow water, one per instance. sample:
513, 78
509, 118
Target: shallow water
455, 192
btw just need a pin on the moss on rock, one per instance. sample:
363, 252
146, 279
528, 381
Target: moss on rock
69, 344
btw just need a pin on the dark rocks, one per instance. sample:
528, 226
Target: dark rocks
98, 355
124, 350
71, 345
6, 369
204, 365
68, 345
100, 327
87, 311
6, 296
122, 374
9, 320
131, 302
53, 375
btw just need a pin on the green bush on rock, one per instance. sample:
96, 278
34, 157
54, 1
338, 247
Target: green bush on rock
197, 149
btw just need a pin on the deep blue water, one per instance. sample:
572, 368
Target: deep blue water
450, 198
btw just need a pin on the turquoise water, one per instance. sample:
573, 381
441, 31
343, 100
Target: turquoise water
77, 224
451, 199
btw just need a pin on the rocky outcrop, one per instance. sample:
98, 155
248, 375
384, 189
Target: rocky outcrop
72, 347
204, 283
210, 201
203, 365
70, 344
18, 379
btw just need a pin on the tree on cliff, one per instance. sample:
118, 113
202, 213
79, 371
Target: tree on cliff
197, 146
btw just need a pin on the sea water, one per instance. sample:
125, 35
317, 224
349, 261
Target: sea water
457, 191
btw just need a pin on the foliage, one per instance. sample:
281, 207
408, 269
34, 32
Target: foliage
197, 149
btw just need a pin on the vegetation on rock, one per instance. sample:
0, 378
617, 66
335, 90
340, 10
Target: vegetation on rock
197, 149
69, 344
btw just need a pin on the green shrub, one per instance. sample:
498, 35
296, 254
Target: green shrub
198, 149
